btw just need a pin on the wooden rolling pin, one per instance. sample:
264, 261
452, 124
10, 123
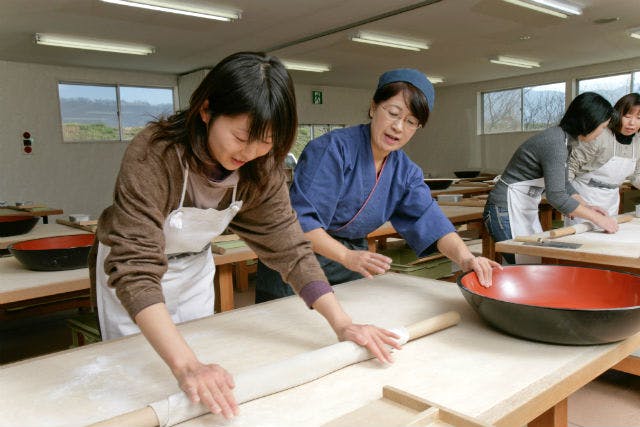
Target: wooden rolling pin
275, 377
583, 227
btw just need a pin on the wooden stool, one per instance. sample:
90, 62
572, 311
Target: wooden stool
84, 329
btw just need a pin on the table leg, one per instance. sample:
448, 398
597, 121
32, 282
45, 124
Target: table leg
45, 219
630, 365
223, 285
554, 417
546, 217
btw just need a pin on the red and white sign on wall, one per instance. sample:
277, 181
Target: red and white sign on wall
27, 143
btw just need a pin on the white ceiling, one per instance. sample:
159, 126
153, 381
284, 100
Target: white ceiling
463, 35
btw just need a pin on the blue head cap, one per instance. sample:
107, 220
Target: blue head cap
415, 77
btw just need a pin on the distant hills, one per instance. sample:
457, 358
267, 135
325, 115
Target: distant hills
91, 111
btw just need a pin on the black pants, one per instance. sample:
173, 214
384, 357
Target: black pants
270, 286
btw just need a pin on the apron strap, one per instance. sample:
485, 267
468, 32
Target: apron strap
184, 184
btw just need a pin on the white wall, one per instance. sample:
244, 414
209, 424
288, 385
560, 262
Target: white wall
76, 177
450, 140
339, 105
79, 177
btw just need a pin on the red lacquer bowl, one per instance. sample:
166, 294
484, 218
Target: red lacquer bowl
558, 304
54, 253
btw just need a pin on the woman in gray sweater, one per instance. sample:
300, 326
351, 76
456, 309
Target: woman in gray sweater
539, 165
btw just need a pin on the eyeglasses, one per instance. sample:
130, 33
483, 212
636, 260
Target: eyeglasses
393, 115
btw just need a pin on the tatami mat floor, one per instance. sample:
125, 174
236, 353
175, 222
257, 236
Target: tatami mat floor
612, 400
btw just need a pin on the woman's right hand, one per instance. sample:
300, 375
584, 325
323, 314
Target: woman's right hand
607, 223
366, 263
210, 384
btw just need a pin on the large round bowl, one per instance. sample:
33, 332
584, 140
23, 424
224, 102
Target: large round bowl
467, 174
54, 253
438, 183
558, 304
13, 225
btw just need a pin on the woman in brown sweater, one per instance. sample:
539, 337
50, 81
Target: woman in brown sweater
182, 181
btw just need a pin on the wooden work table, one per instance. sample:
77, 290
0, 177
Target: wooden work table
458, 215
43, 212
41, 284
620, 250
469, 368
465, 190
24, 292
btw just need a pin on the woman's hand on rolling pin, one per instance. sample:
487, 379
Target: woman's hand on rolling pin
367, 263
209, 384
376, 340
607, 223
483, 268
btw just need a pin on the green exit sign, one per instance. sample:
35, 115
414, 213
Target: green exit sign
316, 96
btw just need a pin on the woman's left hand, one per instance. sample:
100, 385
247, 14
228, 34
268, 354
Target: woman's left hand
376, 340
483, 268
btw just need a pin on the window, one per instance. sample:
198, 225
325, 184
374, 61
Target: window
610, 87
109, 112
522, 109
543, 106
308, 132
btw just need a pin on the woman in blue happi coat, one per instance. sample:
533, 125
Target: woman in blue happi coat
351, 181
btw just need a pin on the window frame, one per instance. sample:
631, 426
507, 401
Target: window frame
118, 110
481, 116
631, 73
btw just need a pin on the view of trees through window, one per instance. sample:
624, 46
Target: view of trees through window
93, 113
611, 87
308, 132
523, 109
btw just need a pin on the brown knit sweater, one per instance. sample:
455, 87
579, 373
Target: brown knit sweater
148, 188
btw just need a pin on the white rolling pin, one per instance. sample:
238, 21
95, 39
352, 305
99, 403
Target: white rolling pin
583, 227
275, 377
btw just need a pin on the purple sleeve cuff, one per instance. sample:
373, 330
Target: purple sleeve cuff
314, 290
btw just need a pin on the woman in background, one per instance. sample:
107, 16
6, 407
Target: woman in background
539, 165
598, 168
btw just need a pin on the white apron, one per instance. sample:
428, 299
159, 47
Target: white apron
187, 285
523, 199
600, 187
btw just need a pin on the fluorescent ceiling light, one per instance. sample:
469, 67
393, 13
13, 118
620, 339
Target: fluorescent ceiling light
435, 80
382, 40
551, 7
304, 66
514, 62
180, 8
635, 33
92, 44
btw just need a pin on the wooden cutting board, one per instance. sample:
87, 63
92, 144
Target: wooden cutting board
89, 226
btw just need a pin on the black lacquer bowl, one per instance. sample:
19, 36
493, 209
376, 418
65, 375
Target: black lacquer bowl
14, 225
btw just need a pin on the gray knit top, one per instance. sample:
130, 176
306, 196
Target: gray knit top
543, 155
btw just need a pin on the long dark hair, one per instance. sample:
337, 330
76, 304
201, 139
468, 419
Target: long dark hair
413, 97
622, 107
585, 113
250, 83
